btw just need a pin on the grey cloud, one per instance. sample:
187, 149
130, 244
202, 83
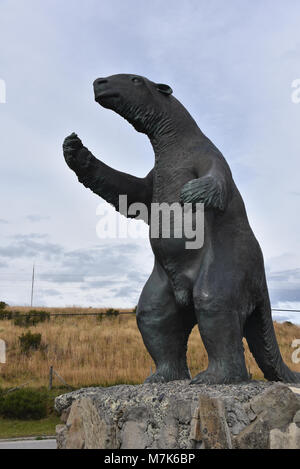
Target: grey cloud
285, 275
50, 292
128, 291
37, 218
136, 276
98, 268
98, 284
26, 247
101, 260
30, 236
3, 222
284, 286
295, 193
71, 277
285, 294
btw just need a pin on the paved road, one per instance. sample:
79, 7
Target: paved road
28, 444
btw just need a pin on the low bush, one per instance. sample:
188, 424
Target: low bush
4, 315
25, 404
112, 312
100, 317
30, 342
31, 319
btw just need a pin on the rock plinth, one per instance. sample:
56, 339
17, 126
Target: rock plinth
177, 415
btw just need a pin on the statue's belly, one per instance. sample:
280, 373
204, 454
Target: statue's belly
173, 252
180, 264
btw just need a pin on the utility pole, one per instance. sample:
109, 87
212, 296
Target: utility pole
32, 286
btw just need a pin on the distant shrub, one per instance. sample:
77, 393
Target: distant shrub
30, 342
4, 315
100, 317
25, 404
32, 318
112, 312
21, 321
134, 309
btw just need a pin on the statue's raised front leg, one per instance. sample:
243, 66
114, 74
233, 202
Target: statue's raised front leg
104, 181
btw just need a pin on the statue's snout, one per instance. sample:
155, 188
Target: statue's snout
100, 81
102, 89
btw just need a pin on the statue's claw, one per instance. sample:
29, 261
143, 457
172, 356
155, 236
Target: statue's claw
74, 156
207, 190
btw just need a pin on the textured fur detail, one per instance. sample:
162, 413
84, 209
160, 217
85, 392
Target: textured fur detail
206, 190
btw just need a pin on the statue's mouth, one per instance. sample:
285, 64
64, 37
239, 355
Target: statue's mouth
104, 95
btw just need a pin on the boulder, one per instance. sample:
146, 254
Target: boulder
285, 439
274, 408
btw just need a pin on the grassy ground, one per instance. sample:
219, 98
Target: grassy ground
67, 310
86, 351
24, 428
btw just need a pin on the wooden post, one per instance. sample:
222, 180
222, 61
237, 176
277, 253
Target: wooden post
50, 377
32, 286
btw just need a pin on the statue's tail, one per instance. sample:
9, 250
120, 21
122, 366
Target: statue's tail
260, 334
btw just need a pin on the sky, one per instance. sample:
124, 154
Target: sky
232, 64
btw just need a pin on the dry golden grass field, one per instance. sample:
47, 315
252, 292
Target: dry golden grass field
86, 351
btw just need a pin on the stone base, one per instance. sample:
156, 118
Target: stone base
176, 415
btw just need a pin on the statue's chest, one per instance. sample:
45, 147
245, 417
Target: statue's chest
169, 177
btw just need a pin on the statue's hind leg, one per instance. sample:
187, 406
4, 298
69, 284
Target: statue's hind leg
165, 328
221, 330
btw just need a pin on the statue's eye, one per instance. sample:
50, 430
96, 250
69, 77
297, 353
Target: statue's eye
136, 80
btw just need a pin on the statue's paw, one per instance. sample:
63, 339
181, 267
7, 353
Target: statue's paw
155, 378
76, 155
205, 377
71, 145
206, 190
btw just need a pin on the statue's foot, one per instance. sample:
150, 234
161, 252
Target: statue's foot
218, 377
155, 378
166, 374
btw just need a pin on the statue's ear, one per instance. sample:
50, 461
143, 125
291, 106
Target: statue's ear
165, 89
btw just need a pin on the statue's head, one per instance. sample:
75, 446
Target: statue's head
143, 103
